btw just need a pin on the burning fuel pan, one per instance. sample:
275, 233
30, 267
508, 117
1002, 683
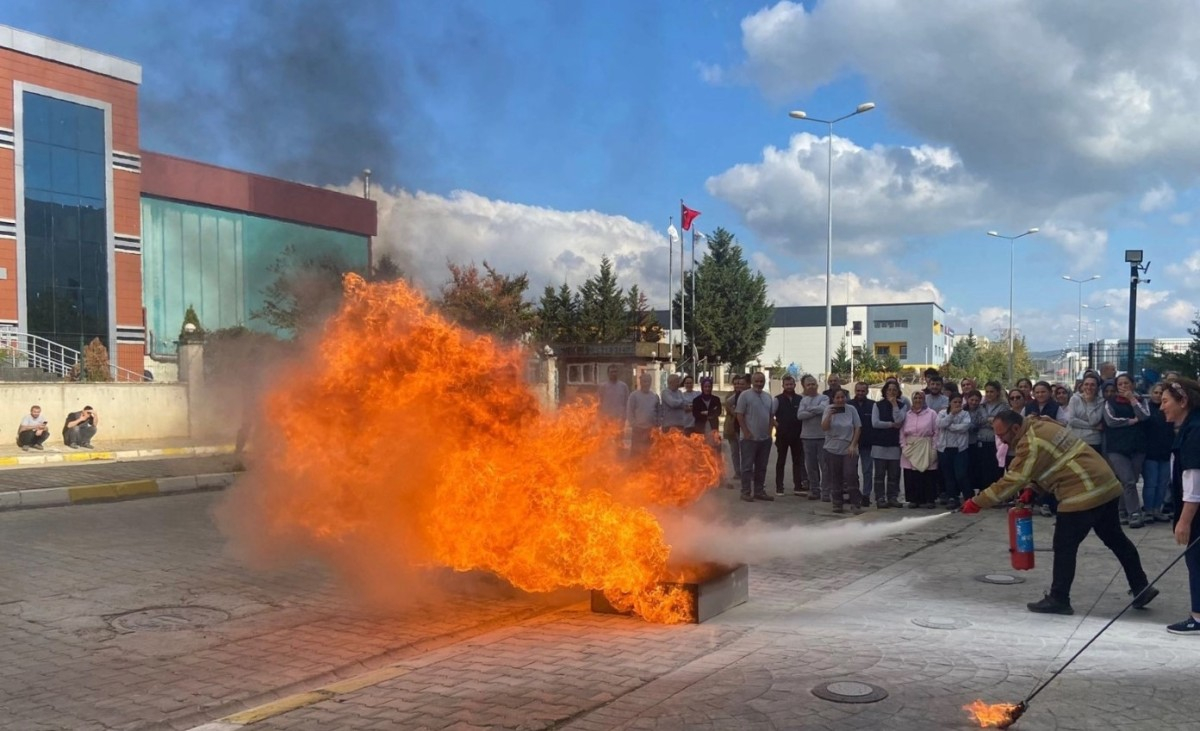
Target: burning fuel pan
720, 588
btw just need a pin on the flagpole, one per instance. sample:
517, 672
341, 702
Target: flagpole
670, 294
682, 291
692, 341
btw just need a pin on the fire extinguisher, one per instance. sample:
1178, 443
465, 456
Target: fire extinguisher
1020, 536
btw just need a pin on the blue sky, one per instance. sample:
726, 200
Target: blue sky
541, 136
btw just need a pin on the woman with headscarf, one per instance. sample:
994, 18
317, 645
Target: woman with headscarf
918, 454
1181, 406
1125, 444
994, 402
953, 433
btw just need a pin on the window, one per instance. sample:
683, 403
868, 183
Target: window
857, 327
66, 225
882, 350
581, 374
903, 352
884, 324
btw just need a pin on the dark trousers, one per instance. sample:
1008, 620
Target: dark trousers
755, 455
921, 487
953, 464
639, 440
78, 435
784, 444
986, 469
1192, 559
29, 438
1069, 531
887, 479
842, 477
814, 464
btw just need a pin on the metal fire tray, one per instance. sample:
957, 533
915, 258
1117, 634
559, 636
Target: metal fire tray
721, 588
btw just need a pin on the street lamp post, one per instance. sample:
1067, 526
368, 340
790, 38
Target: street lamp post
1093, 338
1012, 265
860, 109
1079, 322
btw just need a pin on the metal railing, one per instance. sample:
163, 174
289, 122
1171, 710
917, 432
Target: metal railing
24, 350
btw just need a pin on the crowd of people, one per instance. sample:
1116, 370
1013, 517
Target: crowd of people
1077, 452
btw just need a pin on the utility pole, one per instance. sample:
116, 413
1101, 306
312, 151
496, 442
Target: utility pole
1134, 257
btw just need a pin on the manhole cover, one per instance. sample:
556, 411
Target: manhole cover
1000, 579
941, 623
168, 619
850, 691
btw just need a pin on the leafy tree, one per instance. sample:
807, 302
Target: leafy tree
841, 360
386, 270
95, 366
889, 363
488, 301
303, 293
732, 315
602, 314
991, 362
643, 323
1186, 363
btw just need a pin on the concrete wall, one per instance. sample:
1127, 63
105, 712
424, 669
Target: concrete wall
127, 410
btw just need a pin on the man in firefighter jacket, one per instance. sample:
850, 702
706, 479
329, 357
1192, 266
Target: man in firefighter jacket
1050, 460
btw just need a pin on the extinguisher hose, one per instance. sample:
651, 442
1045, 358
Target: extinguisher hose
1095, 637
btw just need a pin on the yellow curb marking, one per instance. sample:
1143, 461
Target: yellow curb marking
301, 700
177, 450
275, 708
7, 461
112, 491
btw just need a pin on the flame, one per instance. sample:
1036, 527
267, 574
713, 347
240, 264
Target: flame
414, 441
996, 715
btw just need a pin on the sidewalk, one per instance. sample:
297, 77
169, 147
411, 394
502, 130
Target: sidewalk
57, 453
116, 471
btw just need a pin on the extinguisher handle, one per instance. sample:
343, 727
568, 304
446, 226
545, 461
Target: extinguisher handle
1028, 495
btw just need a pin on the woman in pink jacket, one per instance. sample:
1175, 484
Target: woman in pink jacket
917, 442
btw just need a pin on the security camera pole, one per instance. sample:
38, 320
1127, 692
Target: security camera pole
1134, 258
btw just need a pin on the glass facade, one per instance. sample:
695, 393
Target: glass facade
220, 262
66, 227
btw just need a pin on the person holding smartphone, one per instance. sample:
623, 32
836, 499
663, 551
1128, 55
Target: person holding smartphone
33, 430
80, 427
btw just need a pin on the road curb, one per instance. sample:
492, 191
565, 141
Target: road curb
26, 460
48, 497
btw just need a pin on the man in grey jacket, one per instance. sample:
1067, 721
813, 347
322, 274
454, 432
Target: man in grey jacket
812, 437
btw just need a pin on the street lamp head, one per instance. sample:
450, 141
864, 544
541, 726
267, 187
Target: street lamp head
1067, 278
864, 107
797, 115
993, 233
1033, 230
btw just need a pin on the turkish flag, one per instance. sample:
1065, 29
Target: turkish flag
687, 215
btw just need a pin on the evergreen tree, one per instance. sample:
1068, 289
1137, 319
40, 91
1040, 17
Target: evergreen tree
558, 316
964, 353
889, 364
602, 307
386, 270
643, 324
841, 360
732, 315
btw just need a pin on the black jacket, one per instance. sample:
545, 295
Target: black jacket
1186, 451
787, 426
1160, 434
865, 407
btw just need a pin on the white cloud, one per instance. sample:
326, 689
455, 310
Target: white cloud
1182, 218
799, 289
422, 231
880, 194
1085, 101
1083, 246
1180, 314
1158, 198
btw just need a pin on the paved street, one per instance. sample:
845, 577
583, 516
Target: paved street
482, 656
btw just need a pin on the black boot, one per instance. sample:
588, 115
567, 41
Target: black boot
1050, 605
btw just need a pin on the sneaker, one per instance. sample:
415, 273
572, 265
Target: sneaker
779, 492
940, 501
39, 447
1124, 519
747, 498
1189, 626
24, 449
1161, 517
1135, 520
856, 509
1144, 598
762, 495
894, 503
88, 445
1050, 605
953, 505
882, 504
73, 446
866, 502
1046, 511
838, 509
913, 506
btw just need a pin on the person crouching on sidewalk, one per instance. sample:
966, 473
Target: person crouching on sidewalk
33, 431
1047, 458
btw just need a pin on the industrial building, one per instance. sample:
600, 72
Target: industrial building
100, 239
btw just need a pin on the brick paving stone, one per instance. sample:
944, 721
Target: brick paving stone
96, 473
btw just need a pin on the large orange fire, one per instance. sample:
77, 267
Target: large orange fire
407, 438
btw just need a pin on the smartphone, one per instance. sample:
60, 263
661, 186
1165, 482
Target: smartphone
839, 409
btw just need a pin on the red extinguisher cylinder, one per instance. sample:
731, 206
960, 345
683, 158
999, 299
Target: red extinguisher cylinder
1020, 537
